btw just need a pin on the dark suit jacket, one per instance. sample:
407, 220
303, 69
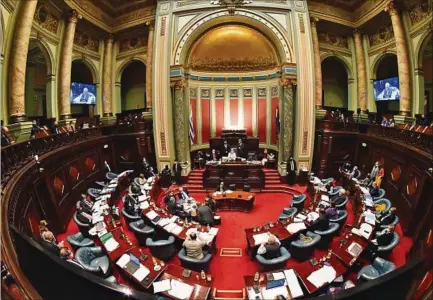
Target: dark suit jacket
385, 238
177, 168
321, 223
205, 215
338, 199
289, 169
374, 192
217, 156
218, 189
225, 151
181, 196
387, 219
172, 207
272, 251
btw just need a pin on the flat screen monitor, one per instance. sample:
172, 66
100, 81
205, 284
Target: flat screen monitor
83, 93
387, 89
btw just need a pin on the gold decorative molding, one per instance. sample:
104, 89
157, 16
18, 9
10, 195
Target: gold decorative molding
305, 143
45, 19
233, 65
261, 92
219, 93
205, 93
129, 44
85, 41
334, 40
391, 8
163, 25
163, 144
248, 92
301, 23
233, 93
274, 91
178, 84
135, 15
383, 35
287, 82
193, 93
420, 12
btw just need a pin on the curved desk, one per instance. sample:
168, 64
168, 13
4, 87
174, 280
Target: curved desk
236, 200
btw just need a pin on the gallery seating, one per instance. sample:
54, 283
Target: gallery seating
93, 259
302, 250
379, 267
274, 263
395, 222
83, 227
384, 251
327, 180
137, 181
327, 235
163, 249
340, 218
79, 240
334, 190
298, 201
195, 264
141, 231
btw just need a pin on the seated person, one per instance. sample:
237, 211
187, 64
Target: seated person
166, 171
176, 209
142, 180
49, 241
205, 215
388, 218
194, 246
366, 181
84, 210
214, 155
353, 172
135, 190
265, 157
374, 191
130, 205
270, 249
149, 183
339, 198
383, 239
211, 203
322, 222
169, 197
331, 211
232, 154
65, 253
221, 187
183, 195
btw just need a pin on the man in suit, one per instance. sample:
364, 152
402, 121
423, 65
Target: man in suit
322, 222
240, 148
211, 203
177, 169
176, 209
384, 238
374, 171
183, 195
205, 215
388, 218
130, 205
214, 155
374, 191
221, 187
145, 166
291, 171
270, 249
225, 149
194, 246
339, 198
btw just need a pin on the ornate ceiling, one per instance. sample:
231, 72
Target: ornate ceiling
233, 48
349, 5
115, 8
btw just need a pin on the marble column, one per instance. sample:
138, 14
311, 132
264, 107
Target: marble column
402, 59
151, 26
179, 119
317, 64
66, 66
287, 118
361, 71
107, 82
18, 59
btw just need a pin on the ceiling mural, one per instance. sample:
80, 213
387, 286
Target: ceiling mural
233, 48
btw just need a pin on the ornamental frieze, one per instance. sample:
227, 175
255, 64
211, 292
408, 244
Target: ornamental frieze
384, 34
333, 40
84, 40
420, 12
45, 19
233, 65
132, 43
135, 15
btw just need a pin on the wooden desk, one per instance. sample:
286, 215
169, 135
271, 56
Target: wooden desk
236, 200
124, 245
304, 270
238, 173
340, 250
202, 287
249, 282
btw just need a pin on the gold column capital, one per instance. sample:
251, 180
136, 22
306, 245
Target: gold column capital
109, 39
287, 82
178, 84
151, 25
73, 16
314, 21
357, 32
391, 8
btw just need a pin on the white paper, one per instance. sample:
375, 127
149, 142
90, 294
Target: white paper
123, 260
278, 275
161, 286
301, 216
111, 186
365, 230
142, 198
312, 216
144, 205
325, 198
97, 218
103, 197
295, 227
293, 283
252, 294
324, 275
163, 221
151, 214
173, 219
180, 290
274, 292
177, 230
261, 238
205, 237
191, 230
111, 245
170, 227
370, 218
213, 231
141, 273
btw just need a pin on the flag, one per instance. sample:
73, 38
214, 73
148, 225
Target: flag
277, 121
191, 127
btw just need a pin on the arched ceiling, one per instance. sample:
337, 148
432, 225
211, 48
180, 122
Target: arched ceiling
116, 8
232, 48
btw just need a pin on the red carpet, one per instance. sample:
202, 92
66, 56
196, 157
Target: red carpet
229, 271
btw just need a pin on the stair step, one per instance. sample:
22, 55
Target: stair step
273, 181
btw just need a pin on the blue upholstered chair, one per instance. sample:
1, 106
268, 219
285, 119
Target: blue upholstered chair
287, 212
79, 240
110, 175
394, 223
381, 195
342, 205
380, 267
327, 235
357, 174
101, 183
327, 180
384, 251
193, 263
163, 249
129, 217
274, 263
302, 250
298, 201
387, 205
93, 259
334, 191
340, 218
141, 231
94, 193
83, 227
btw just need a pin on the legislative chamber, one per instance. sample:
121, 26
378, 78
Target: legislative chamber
216, 149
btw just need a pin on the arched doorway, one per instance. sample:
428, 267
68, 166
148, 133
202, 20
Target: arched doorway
335, 83
387, 67
36, 85
133, 86
81, 73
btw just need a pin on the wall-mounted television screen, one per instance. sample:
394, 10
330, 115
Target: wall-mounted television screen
387, 89
83, 93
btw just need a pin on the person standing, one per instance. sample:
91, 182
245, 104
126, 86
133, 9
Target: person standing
291, 171
177, 169
379, 176
374, 171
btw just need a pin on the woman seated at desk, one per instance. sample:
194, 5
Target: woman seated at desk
232, 154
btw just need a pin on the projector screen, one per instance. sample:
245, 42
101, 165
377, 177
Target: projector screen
82, 93
387, 89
